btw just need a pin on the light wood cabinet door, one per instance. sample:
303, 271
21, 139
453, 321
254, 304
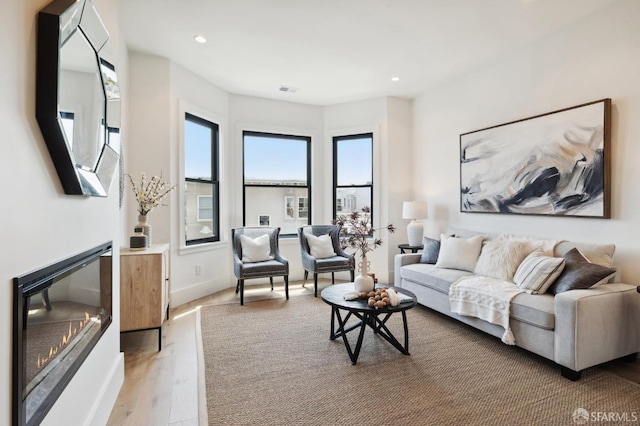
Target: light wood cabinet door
143, 288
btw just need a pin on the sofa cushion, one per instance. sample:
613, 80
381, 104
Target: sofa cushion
430, 251
579, 273
459, 253
535, 309
600, 254
500, 258
537, 272
430, 276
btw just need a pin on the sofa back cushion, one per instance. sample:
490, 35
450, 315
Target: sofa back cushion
600, 254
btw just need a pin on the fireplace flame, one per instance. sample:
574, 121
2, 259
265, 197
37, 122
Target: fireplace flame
64, 341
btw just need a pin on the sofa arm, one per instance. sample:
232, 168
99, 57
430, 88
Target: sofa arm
596, 325
401, 260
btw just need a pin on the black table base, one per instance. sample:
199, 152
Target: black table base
375, 320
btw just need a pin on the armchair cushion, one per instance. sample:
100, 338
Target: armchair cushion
255, 250
320, 247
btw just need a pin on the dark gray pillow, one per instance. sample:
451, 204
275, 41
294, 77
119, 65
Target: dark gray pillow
430, 251
579, 273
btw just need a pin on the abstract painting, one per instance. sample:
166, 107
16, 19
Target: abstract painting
556, 163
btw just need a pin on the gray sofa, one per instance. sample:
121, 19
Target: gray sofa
576, 329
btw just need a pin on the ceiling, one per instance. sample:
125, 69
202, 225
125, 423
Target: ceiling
338, 51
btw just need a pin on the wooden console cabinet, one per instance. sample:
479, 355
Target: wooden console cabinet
144, 289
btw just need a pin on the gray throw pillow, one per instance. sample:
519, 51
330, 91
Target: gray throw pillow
579, 273
430, 251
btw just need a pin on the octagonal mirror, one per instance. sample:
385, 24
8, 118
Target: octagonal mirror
78, 100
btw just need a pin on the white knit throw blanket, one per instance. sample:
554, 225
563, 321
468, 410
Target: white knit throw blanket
486, 298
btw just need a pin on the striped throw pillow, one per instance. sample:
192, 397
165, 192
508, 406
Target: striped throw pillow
537, 272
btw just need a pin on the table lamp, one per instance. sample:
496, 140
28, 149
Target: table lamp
414, 210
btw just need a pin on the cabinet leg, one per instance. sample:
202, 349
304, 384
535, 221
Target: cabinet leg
159, 338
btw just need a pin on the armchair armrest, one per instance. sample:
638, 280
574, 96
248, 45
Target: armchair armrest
596, 325
281, 259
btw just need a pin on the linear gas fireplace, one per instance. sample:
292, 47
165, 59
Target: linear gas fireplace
60, 313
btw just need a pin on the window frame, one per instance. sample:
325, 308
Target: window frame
214, 181
298, 137
335, 141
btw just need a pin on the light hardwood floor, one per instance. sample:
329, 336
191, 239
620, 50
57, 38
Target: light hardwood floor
162, 388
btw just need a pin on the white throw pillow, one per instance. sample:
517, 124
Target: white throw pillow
537, 272
257, 250
501, 257
320, 247
459, 253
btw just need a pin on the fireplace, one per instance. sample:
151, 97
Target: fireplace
60, 312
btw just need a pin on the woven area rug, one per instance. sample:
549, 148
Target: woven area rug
272, 363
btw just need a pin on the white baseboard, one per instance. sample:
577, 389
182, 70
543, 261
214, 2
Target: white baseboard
187, 294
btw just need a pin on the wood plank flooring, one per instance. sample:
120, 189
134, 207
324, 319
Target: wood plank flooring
164, 388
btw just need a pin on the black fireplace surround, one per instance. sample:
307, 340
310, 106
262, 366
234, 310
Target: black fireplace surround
59, 313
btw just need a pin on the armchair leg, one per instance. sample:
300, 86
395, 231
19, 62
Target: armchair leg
333, 278
306, 275
271, 281
353, 278
241, 282
238, 287
286, 286
315, 284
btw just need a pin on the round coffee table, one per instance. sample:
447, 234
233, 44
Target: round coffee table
375, 318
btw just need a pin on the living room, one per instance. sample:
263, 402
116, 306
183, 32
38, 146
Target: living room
416, 148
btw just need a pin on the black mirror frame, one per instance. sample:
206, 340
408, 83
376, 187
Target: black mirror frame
75, 179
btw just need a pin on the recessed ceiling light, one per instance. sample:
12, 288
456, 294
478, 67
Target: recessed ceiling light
395, 78
200, 38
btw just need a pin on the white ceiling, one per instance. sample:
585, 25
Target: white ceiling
338, 51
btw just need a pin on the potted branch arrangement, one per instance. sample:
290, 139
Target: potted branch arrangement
149, 195
356, 232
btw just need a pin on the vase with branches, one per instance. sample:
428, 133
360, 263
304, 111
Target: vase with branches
357, 232
149, 195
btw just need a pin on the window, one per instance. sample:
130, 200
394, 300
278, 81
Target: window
277, 176
353, 173
201, 186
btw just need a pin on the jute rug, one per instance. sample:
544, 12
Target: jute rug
272, 363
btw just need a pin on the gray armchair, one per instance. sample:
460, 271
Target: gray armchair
341, 262
274, 267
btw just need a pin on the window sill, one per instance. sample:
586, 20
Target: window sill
198, 248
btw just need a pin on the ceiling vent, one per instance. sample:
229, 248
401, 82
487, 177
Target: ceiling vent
288, 89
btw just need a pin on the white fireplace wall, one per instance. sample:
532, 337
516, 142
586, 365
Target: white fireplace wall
42, 225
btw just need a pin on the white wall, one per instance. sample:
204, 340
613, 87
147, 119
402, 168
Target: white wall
596, 58
390, 121
42, 225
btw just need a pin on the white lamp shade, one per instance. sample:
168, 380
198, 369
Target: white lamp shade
414, 210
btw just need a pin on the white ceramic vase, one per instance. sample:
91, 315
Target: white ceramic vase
363, 282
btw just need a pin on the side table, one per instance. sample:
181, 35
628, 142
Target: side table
414, 249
